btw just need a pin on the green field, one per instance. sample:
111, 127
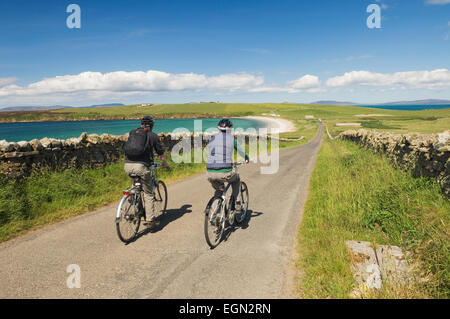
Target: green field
428, 121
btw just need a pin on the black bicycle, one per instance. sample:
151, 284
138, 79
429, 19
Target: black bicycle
131, 208
218, 212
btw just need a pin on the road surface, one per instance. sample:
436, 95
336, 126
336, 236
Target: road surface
172, 261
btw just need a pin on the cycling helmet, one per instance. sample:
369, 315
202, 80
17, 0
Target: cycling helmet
225, 123
147, 121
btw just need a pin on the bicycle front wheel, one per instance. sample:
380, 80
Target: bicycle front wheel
129, 219
214, 222
160, 198
243, 197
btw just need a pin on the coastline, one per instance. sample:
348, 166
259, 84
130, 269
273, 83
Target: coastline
282, 124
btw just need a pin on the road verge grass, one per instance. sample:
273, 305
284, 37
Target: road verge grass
355, 194
48, 196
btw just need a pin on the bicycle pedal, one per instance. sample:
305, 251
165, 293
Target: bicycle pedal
231, 217
153, 223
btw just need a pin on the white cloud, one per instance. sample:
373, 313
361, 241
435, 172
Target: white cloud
305, 82
96, 86
114, 85
271, 89
437, 2
7, 81
132, 83
435, 79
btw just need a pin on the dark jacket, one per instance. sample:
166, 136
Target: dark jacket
153, 144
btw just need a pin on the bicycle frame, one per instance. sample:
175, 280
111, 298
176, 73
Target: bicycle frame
154, 176
126, 193
135, 189
224, 194
216, 217
235, 165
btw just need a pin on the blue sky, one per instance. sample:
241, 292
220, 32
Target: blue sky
232, 51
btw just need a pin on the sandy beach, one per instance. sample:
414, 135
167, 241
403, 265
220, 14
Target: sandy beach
274, 122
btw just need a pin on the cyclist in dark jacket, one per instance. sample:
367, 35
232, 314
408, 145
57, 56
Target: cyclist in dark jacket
139, 165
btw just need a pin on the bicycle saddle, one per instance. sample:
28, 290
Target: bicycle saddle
132, 175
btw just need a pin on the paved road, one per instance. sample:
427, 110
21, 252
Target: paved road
173, 261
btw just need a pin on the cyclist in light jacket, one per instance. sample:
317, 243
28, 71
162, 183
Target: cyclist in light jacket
220, 161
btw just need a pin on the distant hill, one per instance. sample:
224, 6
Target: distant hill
33, 108
333, 103
103, 105
416, 102
419, 102
53, 107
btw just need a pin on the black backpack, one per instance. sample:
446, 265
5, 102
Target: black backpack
137, 143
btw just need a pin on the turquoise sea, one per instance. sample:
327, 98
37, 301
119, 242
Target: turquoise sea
14, 132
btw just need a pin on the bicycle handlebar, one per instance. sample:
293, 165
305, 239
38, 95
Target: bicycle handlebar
156, 165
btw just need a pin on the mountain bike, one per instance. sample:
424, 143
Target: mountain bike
131, 207
218, 212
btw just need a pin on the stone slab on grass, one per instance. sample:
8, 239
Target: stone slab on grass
364, 267
394, 266
372, 268
348, 124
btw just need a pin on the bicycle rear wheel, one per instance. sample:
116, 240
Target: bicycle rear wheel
214, 222
160, 198
127, 224
243, 197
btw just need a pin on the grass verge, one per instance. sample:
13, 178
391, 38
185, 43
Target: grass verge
355, 194
48, 197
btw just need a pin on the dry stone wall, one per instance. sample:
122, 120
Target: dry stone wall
21, 159
422, 154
